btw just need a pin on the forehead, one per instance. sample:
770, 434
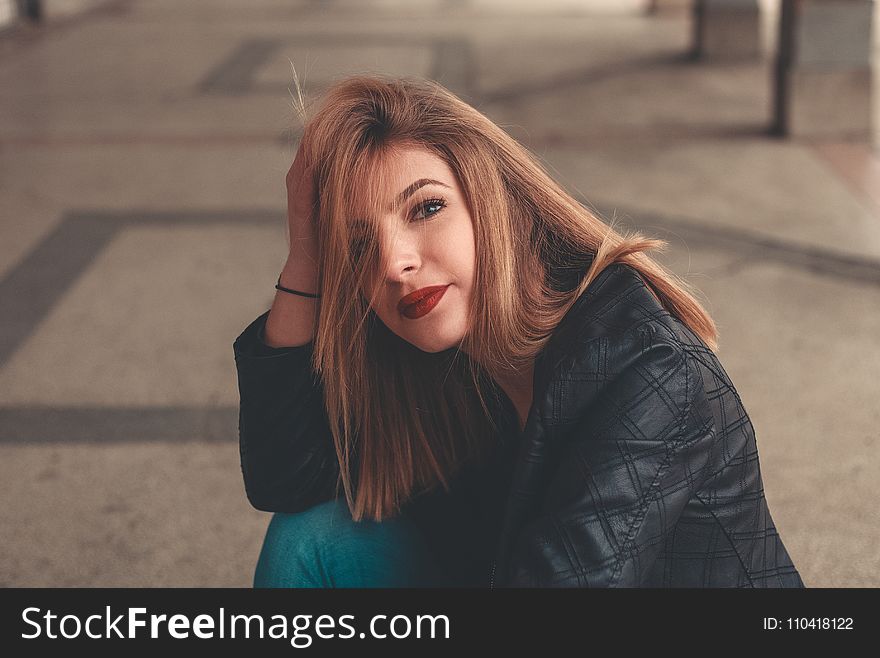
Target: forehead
404, 165
401, 159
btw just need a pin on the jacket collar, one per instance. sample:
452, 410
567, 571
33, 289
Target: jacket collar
558, 349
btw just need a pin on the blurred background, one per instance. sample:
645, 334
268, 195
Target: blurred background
143, 150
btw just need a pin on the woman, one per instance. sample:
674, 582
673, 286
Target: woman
466, 378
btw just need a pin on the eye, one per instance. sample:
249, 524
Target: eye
422, 210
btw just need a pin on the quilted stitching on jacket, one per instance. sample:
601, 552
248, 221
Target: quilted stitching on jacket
649, 471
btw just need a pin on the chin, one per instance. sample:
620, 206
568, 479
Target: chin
446, 335
440, 342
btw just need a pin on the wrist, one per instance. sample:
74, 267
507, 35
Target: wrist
299, 276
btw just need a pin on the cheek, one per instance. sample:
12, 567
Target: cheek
458, 248
464, 255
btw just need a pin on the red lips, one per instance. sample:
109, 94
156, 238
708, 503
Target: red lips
420, 302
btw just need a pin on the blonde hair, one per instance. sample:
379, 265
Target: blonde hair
404, 420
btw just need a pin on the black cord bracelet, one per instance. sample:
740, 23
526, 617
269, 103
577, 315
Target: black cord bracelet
278, 286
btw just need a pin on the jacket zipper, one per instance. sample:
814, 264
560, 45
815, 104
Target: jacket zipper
492, 575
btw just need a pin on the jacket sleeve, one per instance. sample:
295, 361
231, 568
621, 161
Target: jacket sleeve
634, 457
288, 459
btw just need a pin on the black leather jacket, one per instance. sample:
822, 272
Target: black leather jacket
637, 466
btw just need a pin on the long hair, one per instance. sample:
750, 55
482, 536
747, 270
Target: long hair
404, 420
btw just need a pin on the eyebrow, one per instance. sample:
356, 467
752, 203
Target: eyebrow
412, 187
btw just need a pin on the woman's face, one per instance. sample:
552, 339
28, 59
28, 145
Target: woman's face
426, 240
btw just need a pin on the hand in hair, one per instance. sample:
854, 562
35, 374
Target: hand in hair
302, 207
292, 318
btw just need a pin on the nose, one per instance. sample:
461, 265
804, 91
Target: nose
400, 249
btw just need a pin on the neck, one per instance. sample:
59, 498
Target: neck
518, 387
